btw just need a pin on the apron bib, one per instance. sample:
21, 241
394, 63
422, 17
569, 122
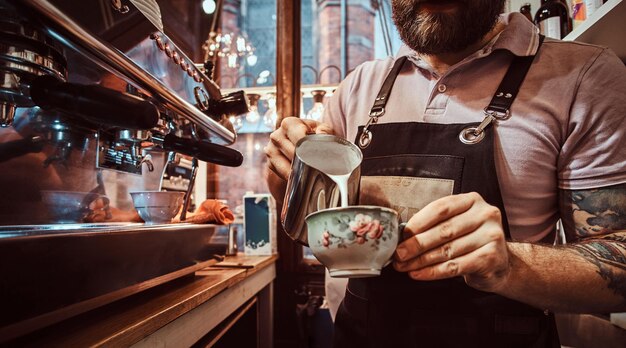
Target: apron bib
407, 173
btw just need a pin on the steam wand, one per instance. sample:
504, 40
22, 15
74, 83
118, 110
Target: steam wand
60, 155
147, 159
192, 180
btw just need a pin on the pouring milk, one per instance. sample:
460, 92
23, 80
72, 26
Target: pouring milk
333, 159
325, 172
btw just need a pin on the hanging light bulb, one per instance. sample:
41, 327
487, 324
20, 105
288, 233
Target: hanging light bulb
231, 46
263, 75
208, 6
317, 110
252, 59
269, 119
241, 44
253, 114
232, 60
236, 121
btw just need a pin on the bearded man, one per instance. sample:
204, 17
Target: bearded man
495, 135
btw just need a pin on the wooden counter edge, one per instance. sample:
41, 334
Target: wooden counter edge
129, 320
188, 329
251, 262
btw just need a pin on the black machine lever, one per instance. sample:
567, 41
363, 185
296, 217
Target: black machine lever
203, 151
16, 148
235, 103
97, 104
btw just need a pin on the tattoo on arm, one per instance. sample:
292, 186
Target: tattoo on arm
609, 255
595, 212
595, 224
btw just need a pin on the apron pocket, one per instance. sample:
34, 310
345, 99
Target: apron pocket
407, 183
417, 166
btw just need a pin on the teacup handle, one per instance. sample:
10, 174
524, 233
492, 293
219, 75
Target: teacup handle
401, 227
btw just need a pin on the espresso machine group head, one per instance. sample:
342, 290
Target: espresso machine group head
86, 118
58, 110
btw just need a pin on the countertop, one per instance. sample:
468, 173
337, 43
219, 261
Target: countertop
136, 318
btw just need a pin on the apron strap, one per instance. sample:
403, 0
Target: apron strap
383, 95
509, 86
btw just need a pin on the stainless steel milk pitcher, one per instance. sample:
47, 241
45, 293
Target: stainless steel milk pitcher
320, 163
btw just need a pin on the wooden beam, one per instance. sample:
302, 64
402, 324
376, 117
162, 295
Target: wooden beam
288, 14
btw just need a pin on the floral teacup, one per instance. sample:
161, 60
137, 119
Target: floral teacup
355, 241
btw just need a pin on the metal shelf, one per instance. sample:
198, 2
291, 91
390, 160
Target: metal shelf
605, 27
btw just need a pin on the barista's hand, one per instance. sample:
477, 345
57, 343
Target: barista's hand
282, 144
458, 235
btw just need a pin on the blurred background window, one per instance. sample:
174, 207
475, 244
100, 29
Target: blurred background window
336, 37
242, 46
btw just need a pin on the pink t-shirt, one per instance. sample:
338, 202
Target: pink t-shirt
567, 128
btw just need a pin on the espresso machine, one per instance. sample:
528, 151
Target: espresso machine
83, 116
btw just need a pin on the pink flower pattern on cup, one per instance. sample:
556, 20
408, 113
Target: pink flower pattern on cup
364, 228
326, 241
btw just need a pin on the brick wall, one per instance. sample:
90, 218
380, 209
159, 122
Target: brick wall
232, 183
359, 35
329, 34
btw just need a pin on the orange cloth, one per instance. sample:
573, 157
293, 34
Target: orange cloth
210, 211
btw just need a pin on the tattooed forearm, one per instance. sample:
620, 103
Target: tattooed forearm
610, 250
609, 255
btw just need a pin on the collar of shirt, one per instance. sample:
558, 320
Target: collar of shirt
520, 37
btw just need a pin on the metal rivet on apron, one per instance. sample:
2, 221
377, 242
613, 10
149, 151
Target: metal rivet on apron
366, 136
442, 88
365, 139
471, 136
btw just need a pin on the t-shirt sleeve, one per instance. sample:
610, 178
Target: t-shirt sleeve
594, 150
334, 112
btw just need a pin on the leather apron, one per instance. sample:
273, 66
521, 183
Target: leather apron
406, 173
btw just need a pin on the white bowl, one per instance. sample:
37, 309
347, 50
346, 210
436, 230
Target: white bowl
157, 206
353, 242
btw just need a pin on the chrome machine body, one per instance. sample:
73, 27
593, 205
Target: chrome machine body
78, 114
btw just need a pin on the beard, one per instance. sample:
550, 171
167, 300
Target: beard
444, 31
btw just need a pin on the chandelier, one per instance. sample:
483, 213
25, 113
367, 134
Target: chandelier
232, 46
